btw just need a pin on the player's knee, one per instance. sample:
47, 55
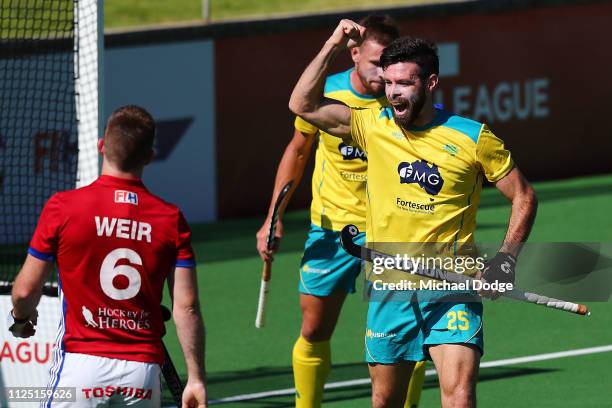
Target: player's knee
459, 394
315, 328
314, 332
386, 399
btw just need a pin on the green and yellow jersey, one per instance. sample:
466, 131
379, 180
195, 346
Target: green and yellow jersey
425, 182
339, 178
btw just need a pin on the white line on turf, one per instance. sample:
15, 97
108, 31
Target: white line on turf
364, 381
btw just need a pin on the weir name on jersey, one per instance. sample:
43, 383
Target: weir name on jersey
123, 228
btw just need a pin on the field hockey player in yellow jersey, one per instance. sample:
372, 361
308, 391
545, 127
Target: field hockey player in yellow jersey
327, 273
425, 172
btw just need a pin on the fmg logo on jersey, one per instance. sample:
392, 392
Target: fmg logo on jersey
420, 172
352, 152
126, 197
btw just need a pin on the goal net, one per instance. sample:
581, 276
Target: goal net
49, 125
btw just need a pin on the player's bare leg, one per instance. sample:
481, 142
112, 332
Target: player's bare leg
457, 366
320, 315
311, 353
390, 383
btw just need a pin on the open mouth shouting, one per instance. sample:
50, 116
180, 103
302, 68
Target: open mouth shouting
400, 108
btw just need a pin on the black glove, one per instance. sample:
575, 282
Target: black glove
501, 269
23, 328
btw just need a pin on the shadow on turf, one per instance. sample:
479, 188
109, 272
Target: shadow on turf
266, 376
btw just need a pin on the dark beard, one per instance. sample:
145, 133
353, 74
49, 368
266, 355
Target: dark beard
415, 106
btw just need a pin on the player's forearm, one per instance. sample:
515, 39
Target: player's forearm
308, 92
24, 304
191, 335
291, 167
522, 217
27, 288
188, 321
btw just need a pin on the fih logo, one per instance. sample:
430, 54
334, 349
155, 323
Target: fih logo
126, 197
428, 178
352, 152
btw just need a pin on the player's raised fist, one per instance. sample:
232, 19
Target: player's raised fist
348, 34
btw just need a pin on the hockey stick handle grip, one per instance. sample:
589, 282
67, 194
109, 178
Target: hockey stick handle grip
266, 274
548, 302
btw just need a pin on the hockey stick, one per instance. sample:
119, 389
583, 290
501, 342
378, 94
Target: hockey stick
266, 273
168, 370
369, 255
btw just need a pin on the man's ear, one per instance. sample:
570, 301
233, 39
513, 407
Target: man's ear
101, 146
355, 54
432, 82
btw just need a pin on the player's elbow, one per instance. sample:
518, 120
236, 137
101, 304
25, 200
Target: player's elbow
301, 106
296, 107
186, 310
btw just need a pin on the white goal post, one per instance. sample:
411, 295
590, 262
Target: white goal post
44, 53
